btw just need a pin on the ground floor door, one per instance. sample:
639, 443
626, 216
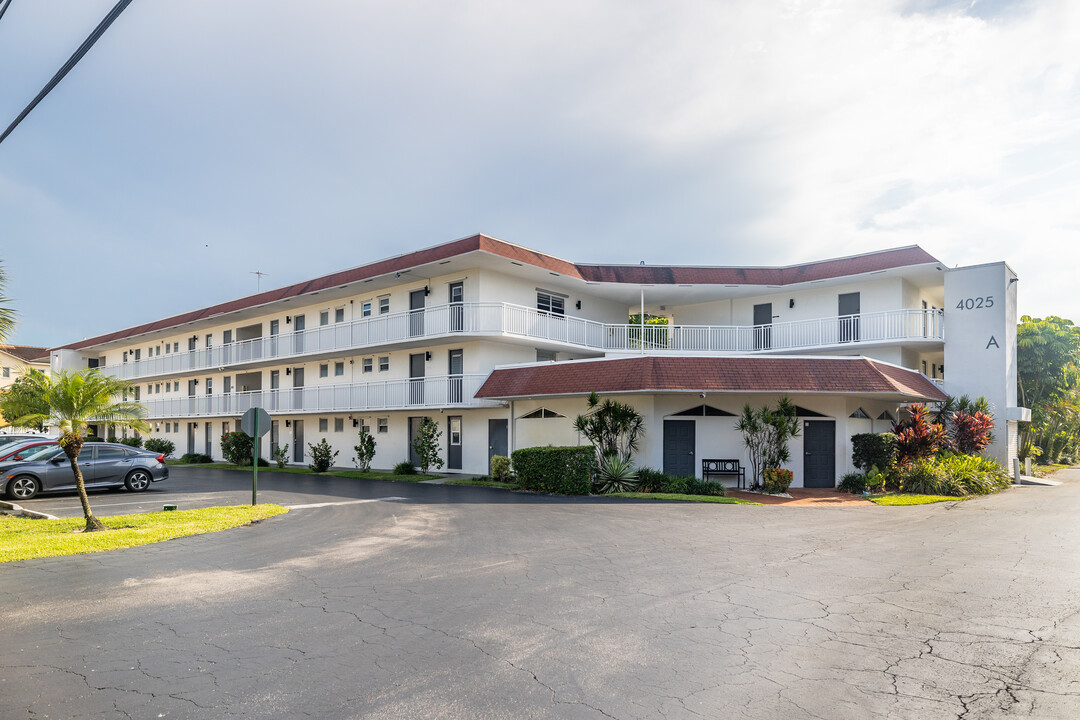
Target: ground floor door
498, 439
453, 442
679, 447
191, 438
819, 453
298, 440
208, 437
414, 427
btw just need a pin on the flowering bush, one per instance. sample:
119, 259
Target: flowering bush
777, 480
918, 437
971, 432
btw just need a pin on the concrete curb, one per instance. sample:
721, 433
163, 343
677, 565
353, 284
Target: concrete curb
10, 508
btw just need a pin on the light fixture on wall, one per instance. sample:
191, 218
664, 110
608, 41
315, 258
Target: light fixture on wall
791, 303
288, 371
701, 395
427, 291
355, 422
194, 425
427, 356
288, 319
288, 423
578, 305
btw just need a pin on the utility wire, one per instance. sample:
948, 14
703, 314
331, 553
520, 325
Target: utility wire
72, 61
4, 5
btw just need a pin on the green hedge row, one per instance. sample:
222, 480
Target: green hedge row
563, 470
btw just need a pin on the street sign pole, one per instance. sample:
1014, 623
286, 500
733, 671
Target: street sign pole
255, 465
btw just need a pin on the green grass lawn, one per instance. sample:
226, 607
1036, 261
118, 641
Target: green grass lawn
723, 500
336, 473
23, 538
1041, 470
912, 499
482, 482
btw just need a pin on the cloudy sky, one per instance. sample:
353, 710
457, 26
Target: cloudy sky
200, 141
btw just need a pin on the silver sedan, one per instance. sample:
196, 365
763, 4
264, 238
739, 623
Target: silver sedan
103, 465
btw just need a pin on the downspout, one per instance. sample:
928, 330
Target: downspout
512, 433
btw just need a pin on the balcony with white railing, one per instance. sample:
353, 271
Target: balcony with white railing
448, 391
505, 320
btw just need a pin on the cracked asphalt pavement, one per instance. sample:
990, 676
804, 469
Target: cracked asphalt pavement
456, 602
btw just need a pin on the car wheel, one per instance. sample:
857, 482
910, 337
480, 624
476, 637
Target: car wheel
137, 480
23, 487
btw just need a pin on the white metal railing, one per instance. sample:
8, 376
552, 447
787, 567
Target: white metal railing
519, 321
403, 393
819, 332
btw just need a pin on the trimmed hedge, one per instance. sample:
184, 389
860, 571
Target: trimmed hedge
654, 481
193, 458
561, 470
160, 445
870, 450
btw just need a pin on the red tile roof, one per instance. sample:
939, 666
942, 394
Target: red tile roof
710, 374
27, 353
633, 274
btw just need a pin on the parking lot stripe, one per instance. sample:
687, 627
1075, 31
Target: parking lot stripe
346, 502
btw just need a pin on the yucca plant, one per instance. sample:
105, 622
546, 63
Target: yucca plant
70, 401
615, 473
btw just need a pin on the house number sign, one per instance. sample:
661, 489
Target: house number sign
976, 303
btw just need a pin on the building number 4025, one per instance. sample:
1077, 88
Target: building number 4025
976, 303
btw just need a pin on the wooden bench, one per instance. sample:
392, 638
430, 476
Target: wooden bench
723, 468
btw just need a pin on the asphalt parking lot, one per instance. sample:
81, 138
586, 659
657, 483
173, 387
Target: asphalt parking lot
452, 602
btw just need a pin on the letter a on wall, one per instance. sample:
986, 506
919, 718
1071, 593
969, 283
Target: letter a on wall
992, 343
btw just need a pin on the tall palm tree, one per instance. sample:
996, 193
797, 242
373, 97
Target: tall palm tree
70, 400
7, 313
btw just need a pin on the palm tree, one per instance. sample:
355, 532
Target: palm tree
7, 314
70, 400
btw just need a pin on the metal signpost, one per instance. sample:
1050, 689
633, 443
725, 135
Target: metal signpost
256, 423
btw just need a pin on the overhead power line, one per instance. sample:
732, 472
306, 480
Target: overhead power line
72, 61
4, 5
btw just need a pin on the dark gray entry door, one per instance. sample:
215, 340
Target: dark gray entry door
298, 441
208, 436
498, 439
457, 309
191, 437
416, 312
679, 446
299, 323
849, 305
453, 442
416, 378
298, 389
819, 453
414, 426
456, 366
763, 326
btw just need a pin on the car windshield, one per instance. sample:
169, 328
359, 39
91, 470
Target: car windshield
41, 454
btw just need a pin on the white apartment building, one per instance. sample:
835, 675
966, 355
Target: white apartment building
15, 361
502, 344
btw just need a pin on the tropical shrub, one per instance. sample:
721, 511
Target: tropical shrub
134, 441
956, 475
613, 428
873, 450
917, 437
766, 433
500, 468
237, 448
924, 477
426, 444
405, 467
112, 439
777, 480
854, 483
161, 445
971, 433
281, 455
615, 473
654, 481
563, 470
195, 458
364, 450
322, 456
92, 438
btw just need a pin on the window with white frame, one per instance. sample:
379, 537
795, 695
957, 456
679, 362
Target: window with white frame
382, 425
322, 424
365, 309
455, 431
366, 364
339, 424
550, 303
339, 314
384, 305
324, 370
339, 369
324, 317
384, 363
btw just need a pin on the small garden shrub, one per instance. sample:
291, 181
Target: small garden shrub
364, 450
654, 481
135, 442
777, 480
854, 483
194, 458
918, 437
93, 438
923, 477
281, 455
870, 450
500, 468
236, 448
615, 474
976, 475
405, 468
426, 444
322, 456
161, 445
563, 470
112, 439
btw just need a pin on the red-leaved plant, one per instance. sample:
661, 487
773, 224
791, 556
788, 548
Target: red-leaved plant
971, 432
918, 437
